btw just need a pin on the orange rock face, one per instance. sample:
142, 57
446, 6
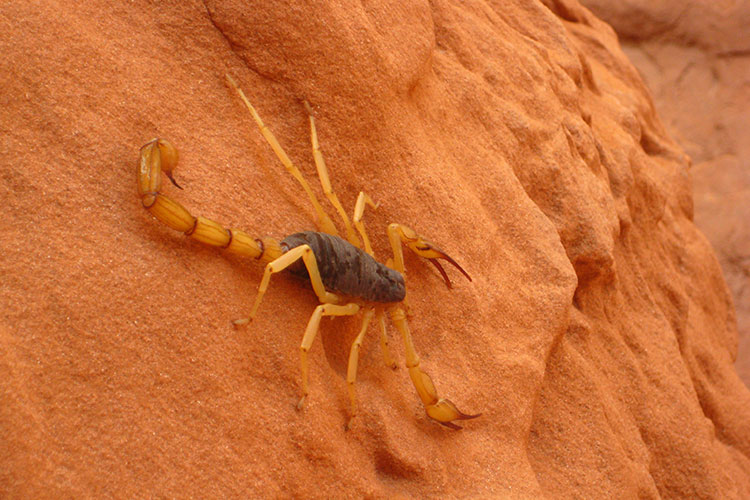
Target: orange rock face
597, 337
694, 58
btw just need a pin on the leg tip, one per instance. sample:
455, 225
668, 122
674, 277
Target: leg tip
349, 424
241, 322
301, 403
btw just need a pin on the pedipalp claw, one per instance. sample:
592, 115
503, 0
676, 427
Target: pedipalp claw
446, 257
430, 249
424, 248
445, 412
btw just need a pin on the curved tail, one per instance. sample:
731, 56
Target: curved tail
159, 156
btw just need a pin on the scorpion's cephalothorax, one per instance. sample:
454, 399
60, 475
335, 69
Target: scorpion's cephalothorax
346, 269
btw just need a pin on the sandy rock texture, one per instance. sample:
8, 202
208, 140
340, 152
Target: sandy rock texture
597, 337
695, 59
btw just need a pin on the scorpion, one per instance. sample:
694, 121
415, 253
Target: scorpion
343, 272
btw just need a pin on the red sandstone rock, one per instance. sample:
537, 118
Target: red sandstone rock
596, 338
694, 58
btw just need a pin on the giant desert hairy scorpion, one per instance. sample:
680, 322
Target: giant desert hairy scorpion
344, 274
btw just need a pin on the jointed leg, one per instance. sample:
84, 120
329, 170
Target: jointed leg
325, 181
387, 358
398, 233
323, 221
311, 331
437, 408
305, 253
351, 373
359, 210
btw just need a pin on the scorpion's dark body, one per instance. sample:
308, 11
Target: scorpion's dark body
346, 269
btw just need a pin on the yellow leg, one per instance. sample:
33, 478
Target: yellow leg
309, 337
439, 409
305, 253
359, 210
387, 358
398, 233
325, 181
351, 373
323, 221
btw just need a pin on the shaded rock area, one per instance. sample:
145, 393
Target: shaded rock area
597, 337
695, 59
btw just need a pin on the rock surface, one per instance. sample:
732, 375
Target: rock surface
695, 59
597, 337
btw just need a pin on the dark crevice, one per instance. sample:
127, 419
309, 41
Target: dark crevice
234, 47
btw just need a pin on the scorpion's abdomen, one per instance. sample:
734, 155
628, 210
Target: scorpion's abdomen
346, 269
